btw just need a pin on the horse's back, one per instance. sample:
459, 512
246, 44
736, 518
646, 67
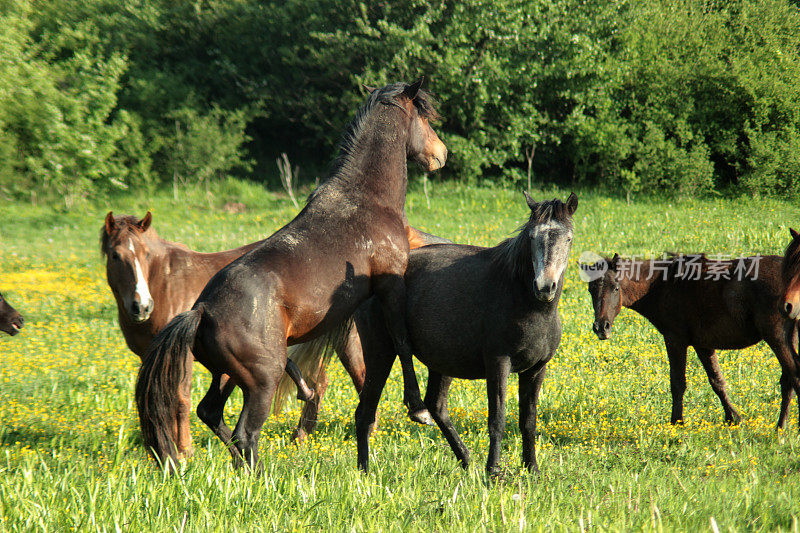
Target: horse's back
722, 313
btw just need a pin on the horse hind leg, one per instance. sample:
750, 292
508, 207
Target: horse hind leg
258, 379
391, 291
711, 365
211, 409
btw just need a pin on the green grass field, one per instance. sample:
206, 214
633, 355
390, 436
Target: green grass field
71, 455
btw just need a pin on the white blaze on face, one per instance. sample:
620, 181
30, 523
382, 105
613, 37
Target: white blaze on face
550, 253
142, 290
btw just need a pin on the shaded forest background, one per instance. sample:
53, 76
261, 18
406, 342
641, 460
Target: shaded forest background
678, 96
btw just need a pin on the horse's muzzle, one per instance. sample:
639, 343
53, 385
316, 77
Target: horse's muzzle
140, 313
602, 328
15, 325
790, 311
438, 158
546, 293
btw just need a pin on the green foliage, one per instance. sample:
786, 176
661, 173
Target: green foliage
679, 96
207, 145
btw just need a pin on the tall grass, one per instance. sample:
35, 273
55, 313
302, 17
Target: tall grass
71, 455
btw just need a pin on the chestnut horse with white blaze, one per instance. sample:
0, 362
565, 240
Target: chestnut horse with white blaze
349, 242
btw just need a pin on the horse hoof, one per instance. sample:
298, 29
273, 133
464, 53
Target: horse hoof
186, 453
421, 416
299, 436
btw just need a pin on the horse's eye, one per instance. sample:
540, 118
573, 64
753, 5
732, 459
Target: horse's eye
616, 289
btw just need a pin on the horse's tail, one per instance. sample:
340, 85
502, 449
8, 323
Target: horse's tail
311, 357
157, 385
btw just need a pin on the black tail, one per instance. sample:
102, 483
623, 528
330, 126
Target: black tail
157, 385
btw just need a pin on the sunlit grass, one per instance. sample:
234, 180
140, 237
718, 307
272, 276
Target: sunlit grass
71, 455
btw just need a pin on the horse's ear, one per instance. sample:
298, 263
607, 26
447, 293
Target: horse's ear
368, 88
793, 233
531, 202
110, 223
145, 222
572, 203
613, 265
412, 90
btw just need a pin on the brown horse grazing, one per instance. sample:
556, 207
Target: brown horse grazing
10, 320
705, 313
477, 313
153, 280
347, 243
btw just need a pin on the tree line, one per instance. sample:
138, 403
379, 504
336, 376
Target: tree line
679, 96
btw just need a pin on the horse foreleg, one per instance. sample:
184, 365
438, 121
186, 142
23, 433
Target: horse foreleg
717, 381
304, 392
497, 371
787, 392
391, 291
183, 436
310, 414
676, 355
782, 345
530, 384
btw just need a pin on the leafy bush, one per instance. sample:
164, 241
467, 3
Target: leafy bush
682, 96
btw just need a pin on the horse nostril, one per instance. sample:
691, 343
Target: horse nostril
607, 327
136, 308
553, 287
596, 327
788, 308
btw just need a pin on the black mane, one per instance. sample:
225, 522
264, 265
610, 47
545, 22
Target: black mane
513, 254
424, 102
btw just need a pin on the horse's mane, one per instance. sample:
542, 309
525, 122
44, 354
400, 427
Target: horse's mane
790, 265
123, 225
426, 107
513, 254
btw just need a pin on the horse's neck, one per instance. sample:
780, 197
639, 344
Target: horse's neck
637, 282
375, 169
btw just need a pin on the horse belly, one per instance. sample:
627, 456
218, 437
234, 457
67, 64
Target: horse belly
456, 364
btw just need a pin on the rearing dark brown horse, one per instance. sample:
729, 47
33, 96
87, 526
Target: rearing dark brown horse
347, 243
153, 280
